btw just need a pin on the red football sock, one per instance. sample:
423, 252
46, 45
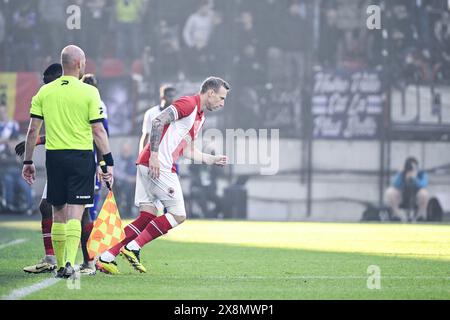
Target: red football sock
133, 230
154, 229
46, 226
85, 234
87, 229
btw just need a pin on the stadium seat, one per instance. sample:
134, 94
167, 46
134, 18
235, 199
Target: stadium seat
112, 67
137, 67
90, 66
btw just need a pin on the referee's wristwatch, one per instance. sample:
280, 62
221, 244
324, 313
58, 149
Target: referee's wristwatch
28, 162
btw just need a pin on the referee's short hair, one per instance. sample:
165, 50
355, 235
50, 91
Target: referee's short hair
214, 83
53, 72
90, 78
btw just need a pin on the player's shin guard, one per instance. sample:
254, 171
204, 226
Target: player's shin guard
59, 242
156, 228
73, 235
133, 230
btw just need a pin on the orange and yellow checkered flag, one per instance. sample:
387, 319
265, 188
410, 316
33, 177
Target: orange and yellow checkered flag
107, 230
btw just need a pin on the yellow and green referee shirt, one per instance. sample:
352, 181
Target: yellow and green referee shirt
68, 107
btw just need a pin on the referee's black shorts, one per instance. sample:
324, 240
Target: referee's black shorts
70, 176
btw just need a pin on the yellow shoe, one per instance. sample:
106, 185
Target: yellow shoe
107, 267
46, 265
132, 257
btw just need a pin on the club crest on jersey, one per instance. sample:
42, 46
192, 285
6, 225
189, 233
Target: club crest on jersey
171, 191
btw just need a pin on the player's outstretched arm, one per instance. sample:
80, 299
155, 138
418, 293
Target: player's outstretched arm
20, 147
193, 153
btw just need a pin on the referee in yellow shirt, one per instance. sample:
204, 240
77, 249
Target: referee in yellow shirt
73, 116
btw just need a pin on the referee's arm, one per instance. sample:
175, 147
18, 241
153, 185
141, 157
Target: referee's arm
102, 143
100, 137
29, 171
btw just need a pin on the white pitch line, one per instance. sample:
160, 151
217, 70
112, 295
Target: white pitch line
18, 294
25, 291
319, 277
365, 277
11, 243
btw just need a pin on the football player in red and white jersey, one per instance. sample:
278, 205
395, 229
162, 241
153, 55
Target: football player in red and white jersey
172, 135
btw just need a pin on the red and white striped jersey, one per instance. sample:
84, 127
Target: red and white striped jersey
189, 120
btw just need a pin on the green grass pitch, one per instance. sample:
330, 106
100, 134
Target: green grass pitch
254, 260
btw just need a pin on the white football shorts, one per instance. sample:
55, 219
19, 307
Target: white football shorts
166, 189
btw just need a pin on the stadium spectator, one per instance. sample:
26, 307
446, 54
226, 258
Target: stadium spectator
96, 18
271, 50
248, 55
199, 26
217, 52
197, 33
170, 55
2, 37
8, 128
146, 65
409, 192
415, 68
26, 45
422, 15
329, 39
12, 184
293, 17
52, 16
267, 14
353, 49
128, 14
276, 66
402, 36
172, 135
441, 37
253, 100
117, 98
78, 35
